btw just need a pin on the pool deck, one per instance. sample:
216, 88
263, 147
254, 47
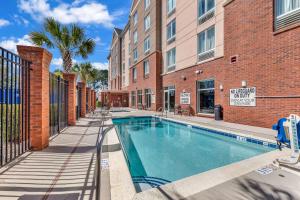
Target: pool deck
63, 171
235, 181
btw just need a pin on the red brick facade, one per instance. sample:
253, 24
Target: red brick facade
266, 60
115, 99
39, 94
152, 81
83, 99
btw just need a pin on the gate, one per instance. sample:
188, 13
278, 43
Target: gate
58, 104
78, 102
14, 106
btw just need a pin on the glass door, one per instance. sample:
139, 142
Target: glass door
166, 100
169, 99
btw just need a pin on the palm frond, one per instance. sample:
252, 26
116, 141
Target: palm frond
77, 35
87, 47
53, 27
40, 38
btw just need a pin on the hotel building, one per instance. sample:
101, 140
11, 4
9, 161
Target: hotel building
242, 55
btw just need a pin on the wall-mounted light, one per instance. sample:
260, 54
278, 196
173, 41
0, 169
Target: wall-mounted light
244, 83
198, 72
221, 87
183, 77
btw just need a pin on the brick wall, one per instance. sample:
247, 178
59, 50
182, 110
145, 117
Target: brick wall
267, 60
153, 81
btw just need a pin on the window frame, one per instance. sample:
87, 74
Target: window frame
171, 24
134, 74
146, 73
147, 44
198, 92
147, 5
173, 9
135, 37
206, 11
147, 25
198, 38
173, 66
135, 18
135, 54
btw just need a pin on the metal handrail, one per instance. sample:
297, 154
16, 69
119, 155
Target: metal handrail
99, 144
162, 111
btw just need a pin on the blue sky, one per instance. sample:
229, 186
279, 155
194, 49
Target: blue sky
98, 17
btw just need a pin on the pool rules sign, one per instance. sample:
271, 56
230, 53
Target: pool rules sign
243, 97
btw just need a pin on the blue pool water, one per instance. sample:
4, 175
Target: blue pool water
166, 151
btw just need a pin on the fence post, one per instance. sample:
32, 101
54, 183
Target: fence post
71, 78
39, 94
92, 100
88, 92
83, 99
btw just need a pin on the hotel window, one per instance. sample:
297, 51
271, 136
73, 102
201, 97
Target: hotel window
135, 18
206, 44
147, 4
171, 31
148, 95
171, 59
133, 98
147, 22
135, 37
171, 6
205, 7
134, 74
123, 68
206, 96
287, 13
147, 45
140, 97
135, 55
146, 68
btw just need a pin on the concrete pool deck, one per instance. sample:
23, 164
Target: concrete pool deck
193, 187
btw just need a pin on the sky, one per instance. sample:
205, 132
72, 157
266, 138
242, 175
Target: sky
98, 17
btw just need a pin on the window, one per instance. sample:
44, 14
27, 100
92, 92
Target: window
147, 4
134, 74
171, 59
133, 98
206, 40
135, 55
171, 31
206, 96
171, 5
147, 45
123, 80
146, 68
147, 22
286, 6
140, 96
123, 68
129, 47
148, 95
135, 18
135, 37
205, 6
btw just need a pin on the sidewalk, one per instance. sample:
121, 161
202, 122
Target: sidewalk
63, 171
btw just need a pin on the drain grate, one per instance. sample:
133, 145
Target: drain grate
264, 171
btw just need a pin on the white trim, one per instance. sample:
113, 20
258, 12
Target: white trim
288, 13
207, 13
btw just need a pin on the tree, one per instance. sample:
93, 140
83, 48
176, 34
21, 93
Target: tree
101, 79
69, 40
85, 71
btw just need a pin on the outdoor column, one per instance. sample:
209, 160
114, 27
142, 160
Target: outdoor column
88, 92
39, 94
71, 78
83, 99
95, 100
92, 99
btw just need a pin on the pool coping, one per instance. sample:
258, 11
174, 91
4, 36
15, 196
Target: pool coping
190, 185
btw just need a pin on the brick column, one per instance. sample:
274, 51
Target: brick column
88, 93
95, 102
83, 98
71, 78
39, 94
92, 99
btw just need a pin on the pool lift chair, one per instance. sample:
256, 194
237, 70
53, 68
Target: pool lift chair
289, 134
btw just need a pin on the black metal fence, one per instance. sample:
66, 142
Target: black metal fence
14, 106
58, 104
78, 102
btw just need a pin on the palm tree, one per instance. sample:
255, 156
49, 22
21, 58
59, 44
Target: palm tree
86, 72
69, 40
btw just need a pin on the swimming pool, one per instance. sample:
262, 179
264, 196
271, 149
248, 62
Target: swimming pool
160, 151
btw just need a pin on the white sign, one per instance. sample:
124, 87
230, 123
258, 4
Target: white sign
243, 97
185, 98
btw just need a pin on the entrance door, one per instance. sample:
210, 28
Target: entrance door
169, 99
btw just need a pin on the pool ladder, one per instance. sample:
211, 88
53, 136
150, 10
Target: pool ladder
161, 113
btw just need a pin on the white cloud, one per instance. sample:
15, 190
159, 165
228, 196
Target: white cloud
99, 65
20, 20
88, 13
57, 61
4, 22
11, 43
